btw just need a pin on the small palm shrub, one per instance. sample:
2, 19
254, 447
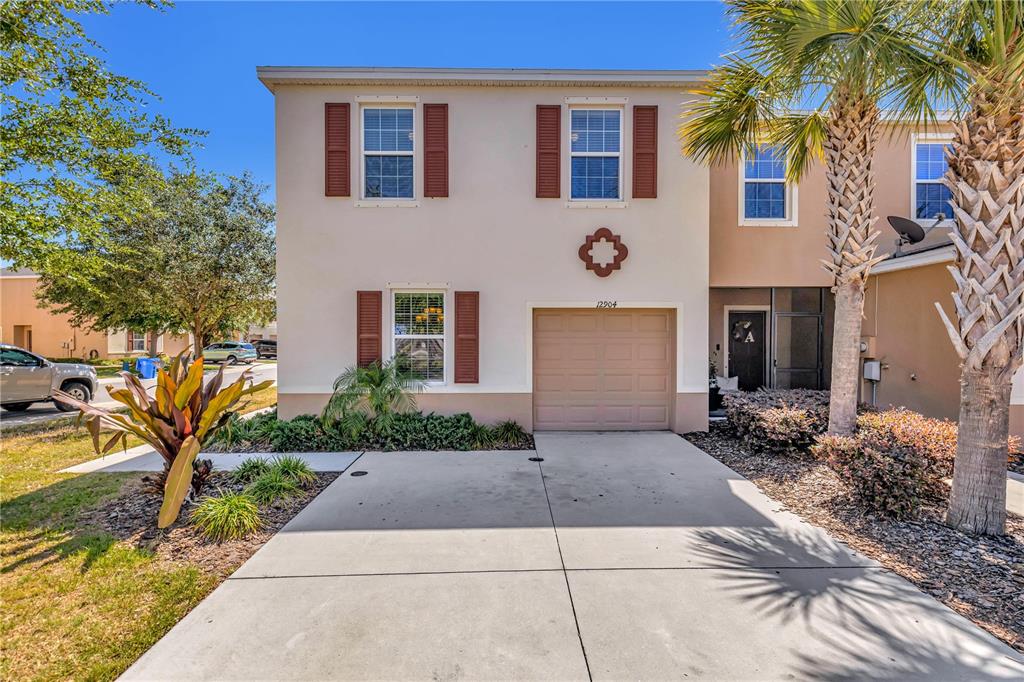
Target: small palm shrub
781, 421
227, 516
371, 395
272, 486
294, 468
250, 469
886, 476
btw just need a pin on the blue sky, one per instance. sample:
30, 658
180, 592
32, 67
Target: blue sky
201, 57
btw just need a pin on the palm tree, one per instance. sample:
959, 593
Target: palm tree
985, 42
375, 393
810, 80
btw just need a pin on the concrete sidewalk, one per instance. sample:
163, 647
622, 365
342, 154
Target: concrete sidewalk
618, 556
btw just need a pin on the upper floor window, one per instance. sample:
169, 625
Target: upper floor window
766, 197
930, 197
388, 148
596, 153
419, 333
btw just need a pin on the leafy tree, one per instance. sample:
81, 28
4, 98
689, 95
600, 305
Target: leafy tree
984, 40
76, 146
202, 260
850, 58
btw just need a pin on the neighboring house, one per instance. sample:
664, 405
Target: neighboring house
26, 323
456, 216
266, 332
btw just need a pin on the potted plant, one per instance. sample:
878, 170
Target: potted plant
714, 392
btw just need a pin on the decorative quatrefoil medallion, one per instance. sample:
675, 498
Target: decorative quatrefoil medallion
603, 252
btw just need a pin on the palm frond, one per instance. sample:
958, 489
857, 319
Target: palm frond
802, 136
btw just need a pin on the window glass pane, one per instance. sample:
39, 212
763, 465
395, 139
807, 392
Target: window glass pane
765, 163
595, 177
595, 130
419, 314
388, 177
931, 161
765, 200
388, 130
424, 358
932, 199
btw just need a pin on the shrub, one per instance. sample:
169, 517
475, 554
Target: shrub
244, 434
778, 421
886, 476
294, 468
272, 486
250, 469
226, 517
511, 435
304, 433
177, 420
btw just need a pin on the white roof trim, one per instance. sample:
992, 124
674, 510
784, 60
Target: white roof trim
915, 260
364, 75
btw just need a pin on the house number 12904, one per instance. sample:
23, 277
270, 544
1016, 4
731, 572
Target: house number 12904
607, 304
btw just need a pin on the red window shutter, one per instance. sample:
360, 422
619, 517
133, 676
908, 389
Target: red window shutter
129, 340
369, 322
645, 152
467, 337
549, 151
435, 150
337, 144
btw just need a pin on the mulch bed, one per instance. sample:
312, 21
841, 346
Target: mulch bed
131, 517
980, 578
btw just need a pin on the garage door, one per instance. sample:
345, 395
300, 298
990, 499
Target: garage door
609, 369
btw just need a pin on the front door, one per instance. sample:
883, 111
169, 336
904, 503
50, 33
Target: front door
747, 348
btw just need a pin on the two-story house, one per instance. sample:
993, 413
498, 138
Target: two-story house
536, 245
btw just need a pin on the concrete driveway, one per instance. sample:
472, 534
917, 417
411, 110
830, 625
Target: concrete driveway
619, 556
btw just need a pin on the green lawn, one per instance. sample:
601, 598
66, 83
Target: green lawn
77, 604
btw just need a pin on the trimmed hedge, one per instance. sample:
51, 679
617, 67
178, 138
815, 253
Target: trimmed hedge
778, 421
408, 431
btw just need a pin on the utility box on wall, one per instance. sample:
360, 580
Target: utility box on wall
872, 370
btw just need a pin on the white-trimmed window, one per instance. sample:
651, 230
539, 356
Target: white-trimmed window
388, 139
136, 342
595, 152
419, 332
765, 196
929, 197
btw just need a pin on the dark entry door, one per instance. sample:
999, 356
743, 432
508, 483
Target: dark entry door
747, 348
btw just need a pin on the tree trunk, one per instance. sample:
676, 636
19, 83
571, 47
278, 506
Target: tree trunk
977, 503
842, 404
986, 179
849, 152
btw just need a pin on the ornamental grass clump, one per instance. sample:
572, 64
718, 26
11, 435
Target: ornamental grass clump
227, 516
250, 469
272, 486
176, 421
295, 469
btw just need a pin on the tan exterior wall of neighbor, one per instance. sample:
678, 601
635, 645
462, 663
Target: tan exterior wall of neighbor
50, 331
491, 235
778, 256
920, 369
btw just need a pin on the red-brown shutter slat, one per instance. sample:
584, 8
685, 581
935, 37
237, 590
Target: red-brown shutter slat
435, 150
645, 152
337, 143
549, 151
467, 337
369, 322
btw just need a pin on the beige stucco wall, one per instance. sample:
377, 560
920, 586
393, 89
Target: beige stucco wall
492, 235
52, 333
920, 369
746, 256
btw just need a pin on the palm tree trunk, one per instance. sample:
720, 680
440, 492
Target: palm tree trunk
986, 178
852, 135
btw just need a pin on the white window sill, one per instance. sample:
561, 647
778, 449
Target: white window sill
596, 204
393, 203
929, 222
768, 223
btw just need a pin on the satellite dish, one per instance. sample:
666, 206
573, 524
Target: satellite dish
908, 230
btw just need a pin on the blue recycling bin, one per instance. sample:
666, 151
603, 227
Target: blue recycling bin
146, 367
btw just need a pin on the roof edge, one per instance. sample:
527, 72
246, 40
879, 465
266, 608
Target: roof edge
367, 75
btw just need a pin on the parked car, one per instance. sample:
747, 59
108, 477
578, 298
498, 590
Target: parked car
27, 378
266, 348
230, 352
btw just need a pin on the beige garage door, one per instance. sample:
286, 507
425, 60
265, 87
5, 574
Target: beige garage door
603, 369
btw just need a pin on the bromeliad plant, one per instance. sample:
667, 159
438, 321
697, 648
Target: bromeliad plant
176, 421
